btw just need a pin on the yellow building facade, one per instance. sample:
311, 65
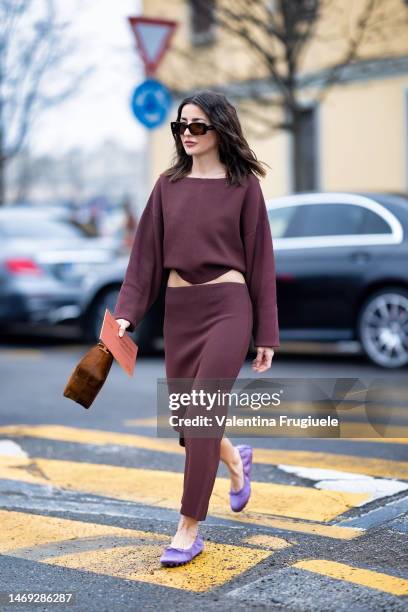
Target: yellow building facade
359, 131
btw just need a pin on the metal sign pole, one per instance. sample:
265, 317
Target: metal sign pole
151, 100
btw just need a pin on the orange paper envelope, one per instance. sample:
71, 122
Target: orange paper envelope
123, 349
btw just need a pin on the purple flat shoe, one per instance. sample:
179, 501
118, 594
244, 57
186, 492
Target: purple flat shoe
179, 556
239, 499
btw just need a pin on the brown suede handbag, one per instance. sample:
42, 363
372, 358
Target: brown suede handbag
89, 375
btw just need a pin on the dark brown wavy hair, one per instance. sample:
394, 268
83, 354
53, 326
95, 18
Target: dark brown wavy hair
234, 150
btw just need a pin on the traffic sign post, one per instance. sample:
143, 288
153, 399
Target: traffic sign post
151, 100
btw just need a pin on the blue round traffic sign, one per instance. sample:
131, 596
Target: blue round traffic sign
151, 101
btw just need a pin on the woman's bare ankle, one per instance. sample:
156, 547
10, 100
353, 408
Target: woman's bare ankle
187, 523
186, 532
235, 466
236, 470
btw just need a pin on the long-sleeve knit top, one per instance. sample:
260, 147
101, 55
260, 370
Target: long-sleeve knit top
202, 228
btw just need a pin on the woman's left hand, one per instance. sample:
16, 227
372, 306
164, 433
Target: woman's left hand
263, 359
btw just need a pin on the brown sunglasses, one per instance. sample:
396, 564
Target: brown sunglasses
196, 128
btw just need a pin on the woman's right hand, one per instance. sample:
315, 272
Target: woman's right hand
123, 326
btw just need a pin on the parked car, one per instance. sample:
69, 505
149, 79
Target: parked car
44, 260
342, 274
342, 270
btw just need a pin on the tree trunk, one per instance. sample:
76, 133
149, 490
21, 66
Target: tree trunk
296, 155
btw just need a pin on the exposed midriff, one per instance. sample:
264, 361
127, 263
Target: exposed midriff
233, 276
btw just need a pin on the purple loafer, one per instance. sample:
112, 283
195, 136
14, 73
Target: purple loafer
239, 499
179, 556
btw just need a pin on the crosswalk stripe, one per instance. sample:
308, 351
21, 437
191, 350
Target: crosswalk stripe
163, 489
109, 505
292, 525
271, 509
388, 440
148, 422
357, 575
64, 433
119, 552
371, 466
134, 554
18, 468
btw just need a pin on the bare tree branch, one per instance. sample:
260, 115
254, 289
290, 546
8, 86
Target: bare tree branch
34, 44
276, 37
351, 53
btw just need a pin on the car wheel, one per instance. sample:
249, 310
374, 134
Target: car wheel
382, 327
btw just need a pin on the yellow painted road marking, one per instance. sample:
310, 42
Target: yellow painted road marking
216, 565
97, 436
146, 486
20, 468
356, 575
119, 552
93, 436
150, 422
383, 440
370, 466
22, 531
346, 463
162, 488
316, 529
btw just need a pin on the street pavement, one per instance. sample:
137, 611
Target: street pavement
89, 498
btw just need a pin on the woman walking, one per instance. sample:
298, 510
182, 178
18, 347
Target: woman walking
205, 231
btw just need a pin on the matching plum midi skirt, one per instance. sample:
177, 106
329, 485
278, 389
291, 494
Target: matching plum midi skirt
207, 332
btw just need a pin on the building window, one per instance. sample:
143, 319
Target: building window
202, 22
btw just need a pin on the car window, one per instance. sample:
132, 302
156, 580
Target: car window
31, 228
280, 220
374, 224
326, 220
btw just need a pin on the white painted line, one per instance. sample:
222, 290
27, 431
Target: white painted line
348, 482
11, 449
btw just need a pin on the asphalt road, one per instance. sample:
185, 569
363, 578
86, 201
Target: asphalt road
88, 499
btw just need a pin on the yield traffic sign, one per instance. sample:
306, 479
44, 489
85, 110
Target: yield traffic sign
152, 39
